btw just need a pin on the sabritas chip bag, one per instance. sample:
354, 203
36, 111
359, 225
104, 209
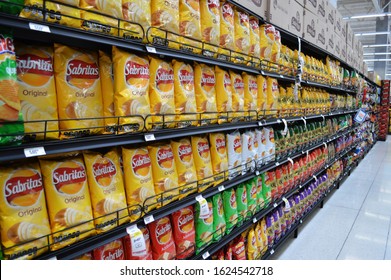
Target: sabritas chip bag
205, 81
223, 94
210, 24
56, 13
230, 209
37, 90
242, 35
204, 225
165, 177
260, 200
68, 200
23, 215
261, 151
266, 34
138, 11
131, 83
203, 162
241, 202
252, 248
98, 22
237, 95
106, 189
219, 225
139, 186
190, 24
262, 93
182, 222
247, 151
111, 251
272, 96
161, 93
107, 85
255, 49
134, 253
184, 162
252, 190
227, 27
239, 248
234, 145
78, 91
276, 48
163, 246
218, 151
185, 101
250, 92
268, 185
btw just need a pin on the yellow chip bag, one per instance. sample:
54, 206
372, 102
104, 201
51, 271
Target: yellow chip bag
210, 25
23, 215
223, 94
237, 95
250, 93
276, 47
252, 248
161, 93
184, 162
165, 176
98, 22
227, 28
203, 162
262, 93
190, 25
68, 200
205, 81
138, 181
185, 101
37, 90
242, 35
266, 34
218, 152
56, 12
131, 84
106, 189
107, 86
255, 49
272, 96
78, 91
137, 11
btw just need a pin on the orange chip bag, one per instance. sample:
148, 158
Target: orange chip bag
23, 216
132, 254
106, 189
184, 232
223, 94
161, 93
184, 162
272, 96
218, 151
165, 177
78, 91
250, 92
205, 81
242, 34
138, 181
262, 93
37, 90
190, 25
163, 246
138, 11
237, 95
68, 200
227, 27
203, 162
56, 12
239, 248
210, 24
111, 251
185, 101
131, 83
255, 49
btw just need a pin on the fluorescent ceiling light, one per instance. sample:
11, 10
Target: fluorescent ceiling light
368, 16
388, 74
375, 46
379, 59
380, 53
372, 33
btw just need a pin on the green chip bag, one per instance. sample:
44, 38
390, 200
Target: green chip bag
12, 7
230, 209
204, 226
241, 202
12, 133
260, 197
251, 188
268, 181
219, 224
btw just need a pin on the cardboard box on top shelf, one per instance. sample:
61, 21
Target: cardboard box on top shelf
330, 14
344, 52
311, 27
286, 14
321, 36
343, 30
360, 49
330, 39
258, 7
317, 7
349, 55
349, 35
339, 22
337, 46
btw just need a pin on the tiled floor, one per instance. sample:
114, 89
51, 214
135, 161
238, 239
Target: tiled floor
355, 222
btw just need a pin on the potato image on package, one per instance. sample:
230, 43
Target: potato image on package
227, 28
203, 162
135, 11
250, 93
210, 24
242, 35
262, 94
218, 152
272, 94
23, 193
162, 240
68, 199
190, 25
204, 226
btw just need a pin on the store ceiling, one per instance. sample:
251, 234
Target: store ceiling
349, 8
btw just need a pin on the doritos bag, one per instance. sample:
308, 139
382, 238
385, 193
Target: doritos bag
163, 245
184, 232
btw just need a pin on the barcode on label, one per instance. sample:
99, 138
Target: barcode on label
148, 219
39, 27
34, 152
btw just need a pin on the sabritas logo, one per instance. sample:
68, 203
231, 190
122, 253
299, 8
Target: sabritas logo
6, 45
203, 149
186, 77
78, 69
232, 200
252, 85
164, 76
244, 196
208, 80
311, 29
237, 145
254, 24
228, 13
165, 157
23, 188
243, 19
163, 231
220, 145
141, 163
113, 254
212, 4
69, 178
275, 86
185, 221
134, 70
185, 152
227, 81
240, 248
104, 170
296, 21
250, 143
269, 29
238, 84
31, 63
253, 190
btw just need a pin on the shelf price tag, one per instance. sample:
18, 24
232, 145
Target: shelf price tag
149, 137
300, 186
285, 131
301, 221
290, 160
325, 144
148, 219
34, 152
39, 27
305, 122
151, 49
221, 188
205, 255
271, 251
255, 220
53, 258
275, 205
137, 240
257, 173
262, 72
279, 121
204, 209
313, 176
277, 164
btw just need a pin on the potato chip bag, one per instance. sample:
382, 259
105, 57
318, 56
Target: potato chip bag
107, 190
237, 95
98, 22
161, 93
204, 226
132, 253
107, 85
210, 25
239, 249
111, 251
228, 252
230, 209
262, 236
68, 199
139, 185
272, 105
227, 28
255, 49
78, 91
252, 190
23, 215
184, 162
205, 81
260, 199
270, 232
218, 151
190, 25
277, 192
219, 224
261, 151
276, 48
131, 96
247, 152
203, 162
252, 248
266, 34
223, 94
162, 240
184, 232
55, 12
262, 94
234, 144
269, 185
250, 92
270, 144
185, 100
241, 202
219, 255
165, 177
242, 35
137, 11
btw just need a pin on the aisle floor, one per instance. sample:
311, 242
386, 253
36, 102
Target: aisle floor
355, 222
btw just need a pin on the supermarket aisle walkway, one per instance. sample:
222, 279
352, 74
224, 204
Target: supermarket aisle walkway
355, 222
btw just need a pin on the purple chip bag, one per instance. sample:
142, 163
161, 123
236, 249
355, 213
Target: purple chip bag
270, 230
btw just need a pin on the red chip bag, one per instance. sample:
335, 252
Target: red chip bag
219, 255
163, 246
239, 249
130, 255
110, 251
184, 232
228, 252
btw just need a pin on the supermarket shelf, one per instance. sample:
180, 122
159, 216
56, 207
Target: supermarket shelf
328, 87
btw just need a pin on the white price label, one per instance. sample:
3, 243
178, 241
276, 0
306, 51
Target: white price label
313, 176
300, 186
39, 27
34, 152
205, 255
53, 258
257, 173
262, 72
279, 121
301, 221
148, 219
277, 164
221, 188
149, 137
281, 76
275, 205
260, 124
271, 251
204, 208
137, 241
290, 160
255, 220
151, 49
325, 144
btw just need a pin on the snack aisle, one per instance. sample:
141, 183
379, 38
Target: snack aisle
130, 136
